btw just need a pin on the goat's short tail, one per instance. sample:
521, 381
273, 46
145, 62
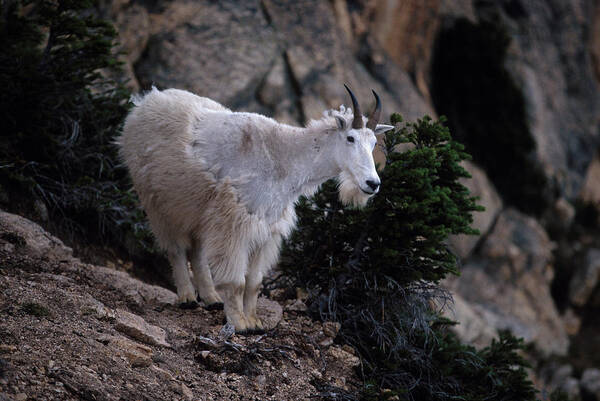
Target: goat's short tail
138, 98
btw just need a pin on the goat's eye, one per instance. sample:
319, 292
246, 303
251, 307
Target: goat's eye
350, 139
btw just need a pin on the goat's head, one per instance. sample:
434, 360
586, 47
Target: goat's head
354, 153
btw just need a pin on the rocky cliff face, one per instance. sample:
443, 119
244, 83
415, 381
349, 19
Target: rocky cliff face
289, 59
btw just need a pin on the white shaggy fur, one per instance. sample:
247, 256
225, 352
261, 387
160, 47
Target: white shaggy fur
219, 187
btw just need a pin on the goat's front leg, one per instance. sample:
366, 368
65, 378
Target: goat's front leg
233, 305
228, 271
261, 262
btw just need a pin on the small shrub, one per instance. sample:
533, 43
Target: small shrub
376, 271
60, 117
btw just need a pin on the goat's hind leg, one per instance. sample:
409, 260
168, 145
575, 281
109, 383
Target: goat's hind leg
203, 279
261, 262
181, 277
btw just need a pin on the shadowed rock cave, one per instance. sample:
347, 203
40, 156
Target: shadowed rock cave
486, 110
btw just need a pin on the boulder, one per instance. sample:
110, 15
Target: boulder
138, 355
506, 285
136, 327
18, 233
136, 291
269, 312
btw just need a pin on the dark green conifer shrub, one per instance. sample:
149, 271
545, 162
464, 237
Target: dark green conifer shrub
60, 115
375, 271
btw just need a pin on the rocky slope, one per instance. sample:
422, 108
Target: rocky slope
70, 330
536, 276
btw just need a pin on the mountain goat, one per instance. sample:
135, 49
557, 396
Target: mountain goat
219, 186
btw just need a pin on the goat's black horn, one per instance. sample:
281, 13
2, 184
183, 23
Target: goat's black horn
357, 123
376, 114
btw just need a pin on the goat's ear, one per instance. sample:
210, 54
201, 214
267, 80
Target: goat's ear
381, 128
341, 123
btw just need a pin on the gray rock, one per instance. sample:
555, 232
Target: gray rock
31, 239
479, 185
585, 279
472, 327
407, 99
549, 58
320, 60
507, 286
269, 312
406, 30
133, 26
285, 59
590, 382
553, 57
138, 355
276, 93
186, 392
221, 50
550, 61
97, 309
136, 327
135, 290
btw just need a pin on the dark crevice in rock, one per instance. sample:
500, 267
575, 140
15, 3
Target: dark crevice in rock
155, 6
376, 70
266, 14
296, 87
138, 66
486, 110
247, 95
515, 9
485, 235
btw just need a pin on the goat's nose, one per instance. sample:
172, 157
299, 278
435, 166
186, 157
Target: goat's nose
373, 184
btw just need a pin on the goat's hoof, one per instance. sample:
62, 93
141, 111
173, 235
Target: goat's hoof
250, 332
257, 331
214, 306
188, 305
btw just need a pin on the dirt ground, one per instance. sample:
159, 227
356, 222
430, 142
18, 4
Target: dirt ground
70, 330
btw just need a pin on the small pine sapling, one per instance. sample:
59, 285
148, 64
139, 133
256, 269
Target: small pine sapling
376, 270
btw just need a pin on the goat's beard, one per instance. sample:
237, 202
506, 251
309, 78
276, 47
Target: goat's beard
350, 194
